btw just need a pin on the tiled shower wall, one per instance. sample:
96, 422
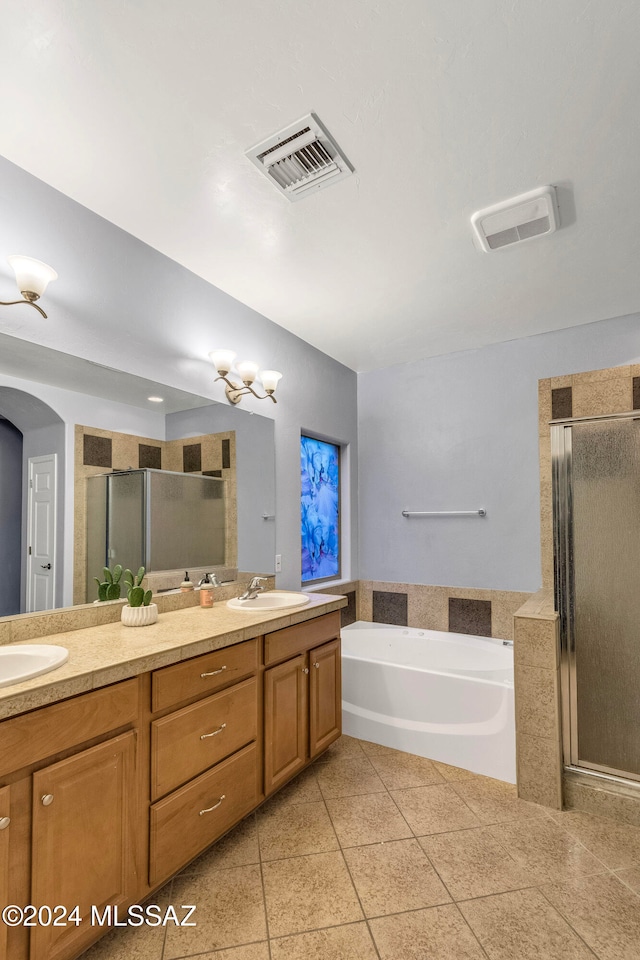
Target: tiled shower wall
484, 613
538, 694
100, 451
614, 390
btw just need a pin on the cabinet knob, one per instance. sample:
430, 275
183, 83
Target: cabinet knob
305, 669
317, 665
4, 822
47, 799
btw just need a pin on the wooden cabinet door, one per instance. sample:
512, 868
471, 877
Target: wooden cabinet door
4, 862
83, 809
325, 696
285, 721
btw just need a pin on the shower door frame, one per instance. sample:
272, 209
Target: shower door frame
563, 564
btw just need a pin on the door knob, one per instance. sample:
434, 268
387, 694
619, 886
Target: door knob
46, 566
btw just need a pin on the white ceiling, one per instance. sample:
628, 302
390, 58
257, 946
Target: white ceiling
142, 112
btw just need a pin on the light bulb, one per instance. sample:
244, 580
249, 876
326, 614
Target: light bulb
247, 370
222, 360
32, 276
270, 380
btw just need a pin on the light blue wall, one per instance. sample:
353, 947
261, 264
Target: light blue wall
10, 517
460, 432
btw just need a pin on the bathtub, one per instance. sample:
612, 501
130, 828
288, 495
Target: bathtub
446, 696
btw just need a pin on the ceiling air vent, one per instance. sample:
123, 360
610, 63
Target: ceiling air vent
301, 158
522, 218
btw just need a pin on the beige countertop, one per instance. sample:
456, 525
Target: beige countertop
105, 654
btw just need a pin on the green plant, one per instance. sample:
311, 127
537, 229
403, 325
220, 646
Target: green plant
109, 587
136, 594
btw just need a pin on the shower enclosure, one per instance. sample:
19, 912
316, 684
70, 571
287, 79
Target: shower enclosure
596, 501
156, 519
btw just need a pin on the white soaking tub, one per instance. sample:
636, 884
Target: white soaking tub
446, 696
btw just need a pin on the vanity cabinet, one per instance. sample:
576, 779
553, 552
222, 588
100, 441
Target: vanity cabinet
205, 769
5, 824
70, 771
302, 696
104, 796
83, 810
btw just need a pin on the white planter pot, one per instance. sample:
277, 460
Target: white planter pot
139, 616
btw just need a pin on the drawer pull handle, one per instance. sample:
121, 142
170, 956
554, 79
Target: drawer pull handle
4, 822
47, 799
213, 673
214, 807
214, 734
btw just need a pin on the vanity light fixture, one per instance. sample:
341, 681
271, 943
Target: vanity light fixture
247, 371
32, 277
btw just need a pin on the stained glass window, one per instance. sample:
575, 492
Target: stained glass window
320, 509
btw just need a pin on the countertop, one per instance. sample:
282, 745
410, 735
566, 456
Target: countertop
105, 654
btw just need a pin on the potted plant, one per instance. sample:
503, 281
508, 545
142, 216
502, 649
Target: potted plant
139, 611
109, 586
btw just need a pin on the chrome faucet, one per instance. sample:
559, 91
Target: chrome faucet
253, 588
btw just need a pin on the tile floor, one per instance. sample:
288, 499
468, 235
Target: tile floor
372, 854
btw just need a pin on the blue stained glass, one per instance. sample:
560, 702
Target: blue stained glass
320, 509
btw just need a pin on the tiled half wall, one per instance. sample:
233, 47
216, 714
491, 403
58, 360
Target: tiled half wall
100, 451
485, 613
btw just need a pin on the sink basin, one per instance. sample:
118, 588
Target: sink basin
24, 661
272, 600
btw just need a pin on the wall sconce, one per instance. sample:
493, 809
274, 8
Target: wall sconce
247, 371
32, 277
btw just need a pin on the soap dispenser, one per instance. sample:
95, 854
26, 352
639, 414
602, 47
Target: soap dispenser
206, 591
186, 586
208, 582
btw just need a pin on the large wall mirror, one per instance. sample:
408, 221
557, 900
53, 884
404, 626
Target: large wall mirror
32, 431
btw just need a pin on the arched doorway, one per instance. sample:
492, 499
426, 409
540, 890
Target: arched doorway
30, 432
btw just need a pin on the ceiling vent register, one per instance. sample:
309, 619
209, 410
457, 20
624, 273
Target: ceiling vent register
301, 159
529, 215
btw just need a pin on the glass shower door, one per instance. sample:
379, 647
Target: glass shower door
600, 474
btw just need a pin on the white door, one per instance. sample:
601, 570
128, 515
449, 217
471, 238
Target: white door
41, 533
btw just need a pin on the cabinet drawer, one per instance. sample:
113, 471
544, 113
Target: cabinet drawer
202, 675
43, 733
193, 739
190, 819
293, 640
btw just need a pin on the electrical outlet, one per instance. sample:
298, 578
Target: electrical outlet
278, 563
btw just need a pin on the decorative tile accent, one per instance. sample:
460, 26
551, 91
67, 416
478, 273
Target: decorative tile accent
348, 613
226, 454
613, 395
149, 457
96, 451
192, 457
636, 393
390, 608
561, 403
470, 616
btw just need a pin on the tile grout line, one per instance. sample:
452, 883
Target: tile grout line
567, 921
264, 892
